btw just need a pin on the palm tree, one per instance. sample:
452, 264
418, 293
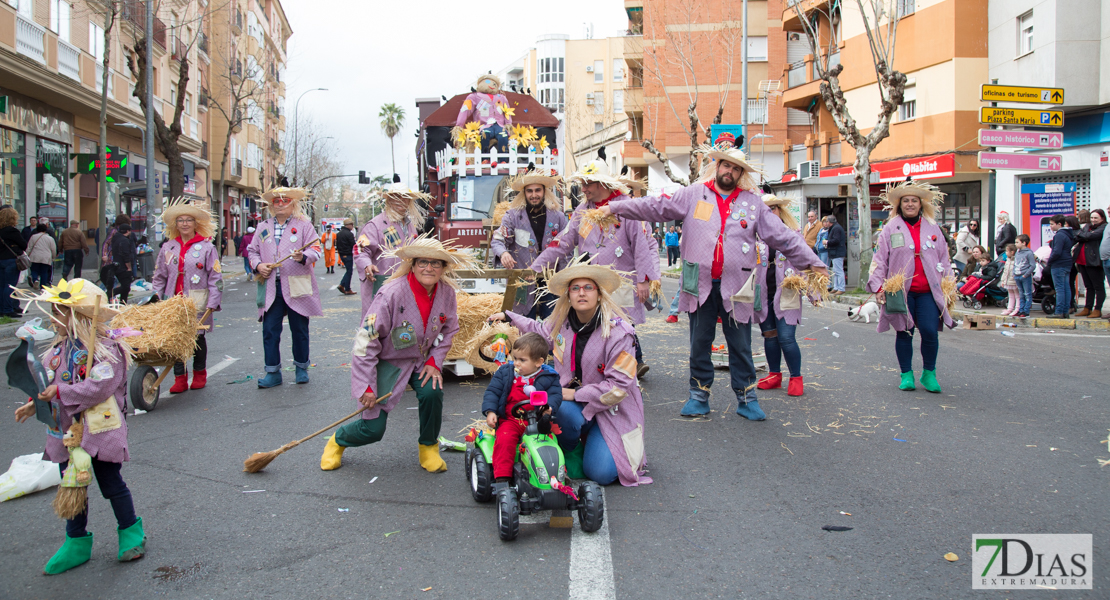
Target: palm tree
393, 118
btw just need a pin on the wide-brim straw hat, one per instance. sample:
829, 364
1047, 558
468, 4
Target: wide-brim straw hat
597, 171
735, 156
550, 181
784, 205
483, 338
609, 279
400, 190
929, 194
431, 248
78, 294
178, 207
294, 194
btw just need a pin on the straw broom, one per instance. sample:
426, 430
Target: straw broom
593, 217
948, 287
259, 460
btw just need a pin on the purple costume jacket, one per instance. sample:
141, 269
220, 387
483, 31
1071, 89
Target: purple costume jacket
889, 260
484, 108
783, 269
626, 247
696, 205
298, 282
107, 378
202, 275
608, 389
393, 315
381, 235
505, 240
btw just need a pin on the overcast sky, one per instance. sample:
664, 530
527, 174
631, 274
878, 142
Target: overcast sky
369, 53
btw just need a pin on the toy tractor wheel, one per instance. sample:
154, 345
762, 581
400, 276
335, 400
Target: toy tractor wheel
144, 395
591, 508
508, 514
481, 478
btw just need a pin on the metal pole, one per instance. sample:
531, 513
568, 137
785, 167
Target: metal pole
296, 128
991, 188
744, 76
152, 203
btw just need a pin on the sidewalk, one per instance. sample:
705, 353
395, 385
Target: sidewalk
1043, 321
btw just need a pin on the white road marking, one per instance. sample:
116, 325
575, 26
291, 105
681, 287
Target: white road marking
223, 364
591, 564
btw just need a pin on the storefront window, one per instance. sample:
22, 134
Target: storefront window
52, 182
13, 172
962, 203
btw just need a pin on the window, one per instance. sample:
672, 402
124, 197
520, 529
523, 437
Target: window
618, 101
96, 42
834, 154
26, 8
757, 48
618, 69
599, 103
905, 8
1025, 33
560, 69
599, 71
599, 126
908, 110
59, 19
757, 111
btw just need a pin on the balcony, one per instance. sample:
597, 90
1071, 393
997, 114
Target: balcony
134, 12
180, 50
202, 100
796, 76
194, 129
69, 61
834, 59
634, 49
100, 80
275, 147
235, 168
633, 100
236, 71
790, 21
237, 121
202, 43
204, 150
29, 39
237, 22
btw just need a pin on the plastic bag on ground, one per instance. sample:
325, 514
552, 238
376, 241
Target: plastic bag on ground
27, 475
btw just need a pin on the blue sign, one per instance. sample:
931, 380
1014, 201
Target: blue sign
1049, 198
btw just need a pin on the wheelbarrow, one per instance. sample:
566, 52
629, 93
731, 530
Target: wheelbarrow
145, 386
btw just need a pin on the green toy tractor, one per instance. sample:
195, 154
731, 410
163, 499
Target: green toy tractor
539, 480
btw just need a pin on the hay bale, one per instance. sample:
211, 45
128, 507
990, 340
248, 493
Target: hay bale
473, 310
499, 212
169, 329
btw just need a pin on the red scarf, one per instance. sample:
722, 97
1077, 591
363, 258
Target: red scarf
179, 287
919, 284
606, 201
724, 206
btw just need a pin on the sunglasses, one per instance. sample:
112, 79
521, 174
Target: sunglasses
281, 201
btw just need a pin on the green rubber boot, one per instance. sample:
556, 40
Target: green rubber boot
132, 542
574, 462
907, 382
74, 552
929, 381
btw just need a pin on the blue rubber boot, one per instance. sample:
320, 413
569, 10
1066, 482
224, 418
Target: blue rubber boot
747, 406
302, 375
697, 405
272, 379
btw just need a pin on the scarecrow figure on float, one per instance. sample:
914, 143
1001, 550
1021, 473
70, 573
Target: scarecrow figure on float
485, 115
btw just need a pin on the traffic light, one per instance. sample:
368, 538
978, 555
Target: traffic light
88, 164
362, 178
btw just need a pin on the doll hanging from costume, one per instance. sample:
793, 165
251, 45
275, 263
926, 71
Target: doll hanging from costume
485, 117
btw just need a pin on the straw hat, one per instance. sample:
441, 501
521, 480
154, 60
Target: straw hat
78, 294
400, 190
930, 196
484, 338
494, 78
183, 207
597, 171
735, 156
784, 204
548, 179
606, 277
294, 194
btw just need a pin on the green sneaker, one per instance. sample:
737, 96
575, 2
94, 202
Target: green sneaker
929, 381
574, 462
907, 382
132, 542
74, 552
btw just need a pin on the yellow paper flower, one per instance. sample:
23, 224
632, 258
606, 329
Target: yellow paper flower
63, 293
589, 169
524, 135
508, 110
542, 144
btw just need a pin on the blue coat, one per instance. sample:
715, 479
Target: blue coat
1062, 241
497, 394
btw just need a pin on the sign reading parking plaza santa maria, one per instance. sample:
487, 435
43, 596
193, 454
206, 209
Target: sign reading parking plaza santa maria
1028, 117
1031, 561
1018, 93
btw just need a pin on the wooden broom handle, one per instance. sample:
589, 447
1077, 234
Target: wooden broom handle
337, 423
290, 255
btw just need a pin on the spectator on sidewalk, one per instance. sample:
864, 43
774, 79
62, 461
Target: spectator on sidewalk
837, 245
671, 240
1060, 263
1006, 233
30, 229
1104, 256
1008, 282
74, 249
243, 244
820, 246
12, 246
1025, 264
345, 248
123, 254
812, 229
967, 238
42, 250
1089, 263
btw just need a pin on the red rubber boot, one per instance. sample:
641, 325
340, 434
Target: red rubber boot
200, 378
796, 387
180, 384
772, 381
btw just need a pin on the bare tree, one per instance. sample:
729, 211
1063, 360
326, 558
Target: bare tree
678, 46
111, 10
880, 22
318, 162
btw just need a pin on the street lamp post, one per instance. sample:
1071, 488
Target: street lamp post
296, 128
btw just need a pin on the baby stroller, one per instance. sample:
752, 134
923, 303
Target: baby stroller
982, 289
1043, 290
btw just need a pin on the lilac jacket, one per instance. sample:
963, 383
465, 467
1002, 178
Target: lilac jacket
296, 278
609, 390
73, 398
378, 236
783, 269
483, 108
392, 313
748, 216
504, 240
202, 274
626, 247
889, 260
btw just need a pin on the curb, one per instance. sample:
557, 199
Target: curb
1094, 325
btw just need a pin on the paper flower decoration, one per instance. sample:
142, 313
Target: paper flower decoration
542, 144
508, 111
524, 135
64, 292
589, 169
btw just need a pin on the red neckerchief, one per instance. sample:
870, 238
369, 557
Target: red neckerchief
724, 206
918, 283
606, 201
423, 298
179, 287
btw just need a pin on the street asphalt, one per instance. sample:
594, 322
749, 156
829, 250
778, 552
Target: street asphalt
736, 509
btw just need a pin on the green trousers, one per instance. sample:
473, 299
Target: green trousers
430, 413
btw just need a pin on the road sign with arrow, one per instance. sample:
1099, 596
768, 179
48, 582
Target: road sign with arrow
1021, 161
1021, 139
1018, 93
1027, 117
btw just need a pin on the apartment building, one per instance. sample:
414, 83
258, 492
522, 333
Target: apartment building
1063, 45
942, 49
51, 66
246, 95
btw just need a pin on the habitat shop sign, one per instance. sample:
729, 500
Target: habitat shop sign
928, 167
1031, 561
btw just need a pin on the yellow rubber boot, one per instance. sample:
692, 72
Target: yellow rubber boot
430, 460
333, 455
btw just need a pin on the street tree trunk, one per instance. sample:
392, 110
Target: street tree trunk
165, 136
102, 203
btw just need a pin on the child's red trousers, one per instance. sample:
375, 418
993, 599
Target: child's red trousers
509, 433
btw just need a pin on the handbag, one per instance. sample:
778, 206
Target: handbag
22, 262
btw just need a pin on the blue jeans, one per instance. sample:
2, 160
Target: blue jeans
114, 489
738, 336
674, 301
824, 256
72, 260
926, 318
247, 265
43, 273
838, 274
783, 344
495, 135
348, 264
1061, 281
1025, 293
9, 275
271, 334
960, 265
597, 460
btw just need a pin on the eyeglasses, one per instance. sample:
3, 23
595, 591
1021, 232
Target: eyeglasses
579, 288
424, 263
186, 220
281, 201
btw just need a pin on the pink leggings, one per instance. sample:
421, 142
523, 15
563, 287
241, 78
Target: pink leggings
1012, 302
